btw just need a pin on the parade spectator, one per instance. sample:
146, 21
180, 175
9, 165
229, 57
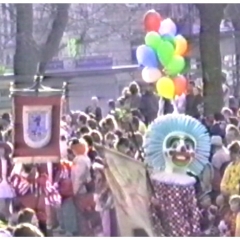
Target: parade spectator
26, 230
231, 178
95, 109
135, 97
149, 105
221, 156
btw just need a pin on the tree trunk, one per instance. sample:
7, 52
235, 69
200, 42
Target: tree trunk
50, 48
25, 58
236, 25
28, 54
209, 43
232, 12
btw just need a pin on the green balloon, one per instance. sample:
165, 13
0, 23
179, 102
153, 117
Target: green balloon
165, 53
175, 66
170, 39
153, 40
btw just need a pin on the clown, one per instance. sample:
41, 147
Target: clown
177, 147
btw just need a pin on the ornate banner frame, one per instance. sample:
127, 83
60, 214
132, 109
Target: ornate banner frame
48, 149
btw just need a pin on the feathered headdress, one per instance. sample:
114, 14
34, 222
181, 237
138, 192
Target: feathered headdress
179, 123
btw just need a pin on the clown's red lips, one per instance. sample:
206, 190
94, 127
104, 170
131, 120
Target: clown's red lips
181, 159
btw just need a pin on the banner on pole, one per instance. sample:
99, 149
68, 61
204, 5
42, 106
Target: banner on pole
128, 183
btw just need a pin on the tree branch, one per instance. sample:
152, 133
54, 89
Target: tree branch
51, 46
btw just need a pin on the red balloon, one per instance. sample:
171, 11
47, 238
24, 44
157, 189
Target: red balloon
152, 21
180, 84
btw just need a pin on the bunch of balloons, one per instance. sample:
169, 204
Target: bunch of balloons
162, 55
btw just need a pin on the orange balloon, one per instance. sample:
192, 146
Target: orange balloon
180, 84
181, 45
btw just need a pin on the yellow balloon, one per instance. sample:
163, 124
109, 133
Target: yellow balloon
165, 88
181, 45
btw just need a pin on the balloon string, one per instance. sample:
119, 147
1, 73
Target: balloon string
175, 108
161, 106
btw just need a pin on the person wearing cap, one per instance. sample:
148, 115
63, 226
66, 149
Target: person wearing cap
230, 183
220, 158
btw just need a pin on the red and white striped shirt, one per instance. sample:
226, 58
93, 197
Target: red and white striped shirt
52, 195
40, 186
20, 185
65, 170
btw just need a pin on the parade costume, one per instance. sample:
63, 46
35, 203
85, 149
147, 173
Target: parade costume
176, 144
66, 215
35, 190
6, 190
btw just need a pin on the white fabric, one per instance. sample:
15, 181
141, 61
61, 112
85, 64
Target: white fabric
220, 157
180, 102
6, 191
175, 109
216, 140
222, 227
80, 173
160, 107
97, 165
5, 233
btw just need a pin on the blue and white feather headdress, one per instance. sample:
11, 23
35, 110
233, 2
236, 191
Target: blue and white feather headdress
165, 125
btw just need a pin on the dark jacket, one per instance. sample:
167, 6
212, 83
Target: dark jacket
97, 113
217, 129
135, 101
192, 104
149, 106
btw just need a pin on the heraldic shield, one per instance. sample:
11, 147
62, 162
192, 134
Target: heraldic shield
37, 125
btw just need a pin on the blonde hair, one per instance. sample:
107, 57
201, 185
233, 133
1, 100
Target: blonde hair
226, 110
234, 198
231, 127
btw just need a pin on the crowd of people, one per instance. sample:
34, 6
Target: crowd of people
87, 204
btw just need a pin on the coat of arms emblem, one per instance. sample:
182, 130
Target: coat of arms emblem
37, 124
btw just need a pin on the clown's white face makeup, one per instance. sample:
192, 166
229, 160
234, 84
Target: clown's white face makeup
180, 149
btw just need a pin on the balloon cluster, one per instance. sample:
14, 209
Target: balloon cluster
162, 55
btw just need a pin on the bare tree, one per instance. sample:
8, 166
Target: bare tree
209, 43
39, 38
28, 52
97, 23
232, 13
